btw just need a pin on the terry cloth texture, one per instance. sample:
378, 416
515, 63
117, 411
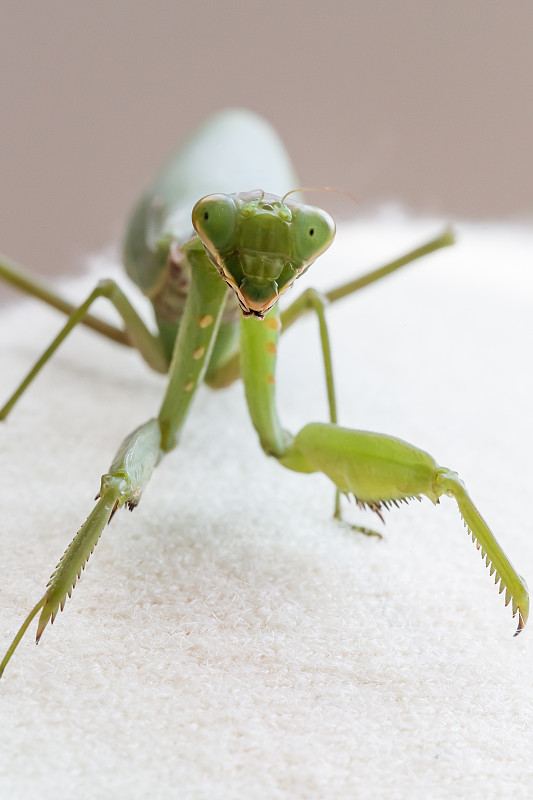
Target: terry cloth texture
229, 639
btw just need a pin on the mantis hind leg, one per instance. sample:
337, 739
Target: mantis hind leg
291, 314
148, 345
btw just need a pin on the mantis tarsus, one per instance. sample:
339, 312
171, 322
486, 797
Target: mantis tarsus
256, 244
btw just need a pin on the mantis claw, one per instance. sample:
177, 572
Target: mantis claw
380, 470
521, 624
123, 484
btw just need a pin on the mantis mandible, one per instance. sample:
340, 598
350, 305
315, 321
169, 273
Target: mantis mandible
214, 265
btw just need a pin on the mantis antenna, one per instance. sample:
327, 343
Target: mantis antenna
321, 189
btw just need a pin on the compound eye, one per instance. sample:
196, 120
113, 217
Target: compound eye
214, 220
313, 231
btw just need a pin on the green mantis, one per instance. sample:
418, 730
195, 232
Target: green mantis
214, 260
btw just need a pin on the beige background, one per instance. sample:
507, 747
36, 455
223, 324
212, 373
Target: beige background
427, 103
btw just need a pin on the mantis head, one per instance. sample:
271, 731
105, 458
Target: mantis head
260, 244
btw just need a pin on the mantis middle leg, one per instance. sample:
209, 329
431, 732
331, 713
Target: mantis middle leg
18, 278
148, 345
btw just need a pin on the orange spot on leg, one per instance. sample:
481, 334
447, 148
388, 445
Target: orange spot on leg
270, 379
188, 386
198, 353
273, 323
271, 348
205, 321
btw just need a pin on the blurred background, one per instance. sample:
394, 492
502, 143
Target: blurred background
425, 103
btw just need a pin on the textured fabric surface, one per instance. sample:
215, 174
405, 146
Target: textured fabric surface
229, 639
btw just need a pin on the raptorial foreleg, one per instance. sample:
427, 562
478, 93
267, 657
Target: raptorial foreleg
380, 471
122, 485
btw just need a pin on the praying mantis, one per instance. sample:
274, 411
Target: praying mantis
214, 264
